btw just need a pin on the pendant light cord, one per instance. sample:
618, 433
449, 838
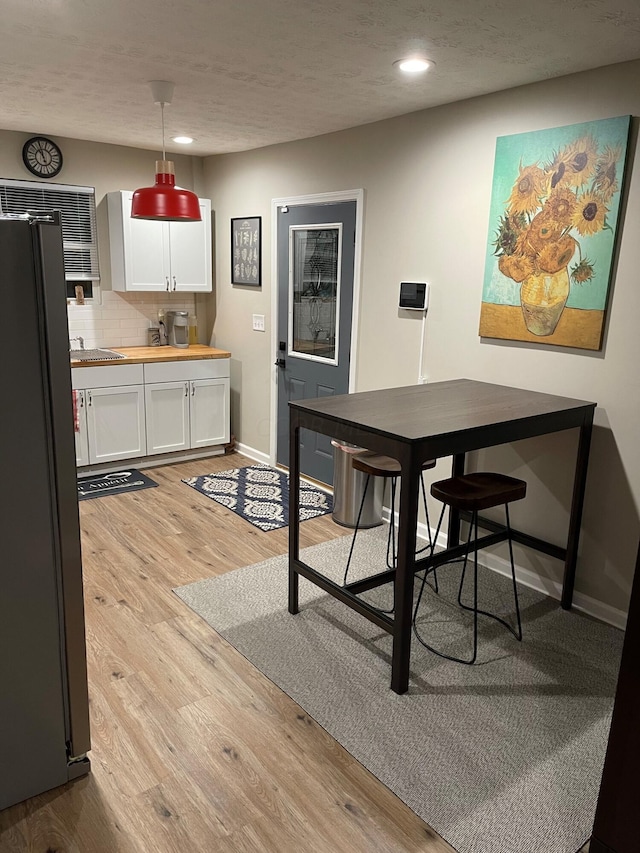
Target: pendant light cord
162, 119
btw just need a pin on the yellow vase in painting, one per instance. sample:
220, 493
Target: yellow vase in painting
543, 297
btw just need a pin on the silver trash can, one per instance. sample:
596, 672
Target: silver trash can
348, 488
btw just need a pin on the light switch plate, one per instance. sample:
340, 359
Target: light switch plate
258, 322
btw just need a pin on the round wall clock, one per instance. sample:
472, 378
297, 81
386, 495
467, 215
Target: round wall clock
42, 157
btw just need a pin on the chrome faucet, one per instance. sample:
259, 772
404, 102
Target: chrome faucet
80, 340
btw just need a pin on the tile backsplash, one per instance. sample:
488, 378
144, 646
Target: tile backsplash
122, 319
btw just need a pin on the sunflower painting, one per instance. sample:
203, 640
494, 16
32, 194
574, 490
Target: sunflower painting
552, 233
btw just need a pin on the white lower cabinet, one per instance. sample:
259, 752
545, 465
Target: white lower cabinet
130, 411
115, 423
167, 411
82, 439
209, 412
192, 410
111, 413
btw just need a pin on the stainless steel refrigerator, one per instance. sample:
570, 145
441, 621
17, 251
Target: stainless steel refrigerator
44, 713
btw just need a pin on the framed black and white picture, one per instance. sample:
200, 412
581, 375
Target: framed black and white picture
246, 251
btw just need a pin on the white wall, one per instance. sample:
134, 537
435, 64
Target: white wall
117, 319
427, 180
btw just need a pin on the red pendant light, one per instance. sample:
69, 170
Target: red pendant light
164, 200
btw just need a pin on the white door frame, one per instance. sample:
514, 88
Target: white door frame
317, 198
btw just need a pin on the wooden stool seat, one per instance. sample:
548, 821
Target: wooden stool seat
477, 491
377, 465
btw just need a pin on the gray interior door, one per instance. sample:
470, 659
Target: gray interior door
316, 250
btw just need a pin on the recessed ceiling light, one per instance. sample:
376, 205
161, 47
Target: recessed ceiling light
414, 64
183, 140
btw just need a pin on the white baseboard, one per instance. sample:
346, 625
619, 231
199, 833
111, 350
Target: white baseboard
584, 603
252, 453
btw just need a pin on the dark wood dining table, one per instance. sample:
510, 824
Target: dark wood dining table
430, 421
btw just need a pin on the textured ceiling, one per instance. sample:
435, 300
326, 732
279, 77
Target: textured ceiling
250, 73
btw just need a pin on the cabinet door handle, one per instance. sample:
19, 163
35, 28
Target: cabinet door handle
89, 396
174, 282
193, 390
186, 389
81, 399
167, 279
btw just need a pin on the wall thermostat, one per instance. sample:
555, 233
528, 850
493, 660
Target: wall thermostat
414, 295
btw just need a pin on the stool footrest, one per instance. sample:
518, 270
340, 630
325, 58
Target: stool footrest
438, 558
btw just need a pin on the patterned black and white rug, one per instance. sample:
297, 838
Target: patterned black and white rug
260, 494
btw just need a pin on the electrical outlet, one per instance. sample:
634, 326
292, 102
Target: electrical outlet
258, 322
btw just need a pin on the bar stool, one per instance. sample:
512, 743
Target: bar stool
475, 492
376, 465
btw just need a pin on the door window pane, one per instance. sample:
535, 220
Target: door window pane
314, 290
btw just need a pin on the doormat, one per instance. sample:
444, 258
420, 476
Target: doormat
260, 495
113, 484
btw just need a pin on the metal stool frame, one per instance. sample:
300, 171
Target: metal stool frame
517, 633
391, 538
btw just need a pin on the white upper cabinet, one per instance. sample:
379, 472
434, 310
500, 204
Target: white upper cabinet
190, 252
162, 256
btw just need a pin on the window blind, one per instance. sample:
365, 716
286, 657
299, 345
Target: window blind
78, 213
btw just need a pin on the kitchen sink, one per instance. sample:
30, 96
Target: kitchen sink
95, 354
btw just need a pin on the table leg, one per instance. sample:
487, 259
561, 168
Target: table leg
575, 518
294, 511
453, 532
409, 482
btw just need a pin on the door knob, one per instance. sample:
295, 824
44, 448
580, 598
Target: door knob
279, 362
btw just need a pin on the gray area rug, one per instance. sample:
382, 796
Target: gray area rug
501, 757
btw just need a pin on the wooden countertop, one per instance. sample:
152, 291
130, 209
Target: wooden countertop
143, 355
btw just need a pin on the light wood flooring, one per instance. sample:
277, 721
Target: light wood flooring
193, 749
